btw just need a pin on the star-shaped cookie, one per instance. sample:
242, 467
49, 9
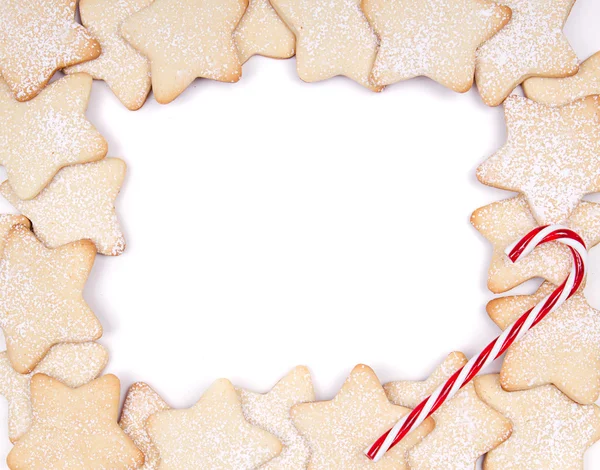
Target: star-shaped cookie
187, 40
212, 435
41, 297
142, 402
36, 40
551, 155
465, 427
432, 38
339, 430
271, 412
504, 222
7, 222
78, 204
563, 350
550, 431
332, 38
262, 32
531, 45
125, 70
75, 428
40, 137
561, 91
71, 363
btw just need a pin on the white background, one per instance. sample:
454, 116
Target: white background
273, 223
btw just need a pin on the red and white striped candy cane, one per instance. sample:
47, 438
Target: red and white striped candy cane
496, 348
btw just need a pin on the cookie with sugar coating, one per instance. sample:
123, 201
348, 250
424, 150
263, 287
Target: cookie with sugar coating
432, 38
563, 350
185, 41
74, 364
561, 91
514, 54
125, 70
262, 32
465, 427
7, 222
332, 38
38, 39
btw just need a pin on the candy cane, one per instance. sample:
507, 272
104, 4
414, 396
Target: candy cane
497, 347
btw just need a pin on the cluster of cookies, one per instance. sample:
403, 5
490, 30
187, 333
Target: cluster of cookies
539, 412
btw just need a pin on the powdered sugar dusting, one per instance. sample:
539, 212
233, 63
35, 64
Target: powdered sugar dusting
41, 297
549, 430
211, 435
531, 44
435, 38
78, 204
465, 427
551, 156
125, 70
272, 413
37, 39
41, 136
333, 38
339, 430
73, 364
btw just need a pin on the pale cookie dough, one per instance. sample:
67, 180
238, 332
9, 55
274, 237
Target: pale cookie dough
563, 350
561, 91
37, 38
7, 222
332, 38
338, 431
532, 44
78, 204
142, 402
551, 155
41, 136
211, 435
262, 32
437, 39
271, 412
465, 427
125, 70
75, 428
187, 40
41, 297
550, 431
507, 221
71, 363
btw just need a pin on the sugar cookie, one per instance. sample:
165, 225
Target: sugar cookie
531, 45
211, 435
262, 32
36, 40
142, 402
505, 221
339, 430
550, 431
125, 70
78, 204
41, 297
187, 40
551, 155
563, 350
41, 136
75, 428
7, 222
332, 38
465, 427
71, 363
432, 38
271, 412
561, 91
